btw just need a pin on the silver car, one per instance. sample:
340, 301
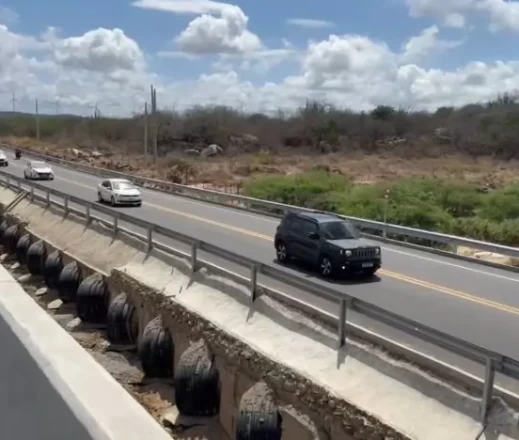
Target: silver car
3, 159
118, 192
36, 170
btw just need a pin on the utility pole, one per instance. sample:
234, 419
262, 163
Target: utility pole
37, 122
14, 102
146, 132
155, 122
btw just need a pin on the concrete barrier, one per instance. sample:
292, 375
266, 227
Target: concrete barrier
51, 388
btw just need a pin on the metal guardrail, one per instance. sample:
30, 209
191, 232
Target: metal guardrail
278, 209
493, 362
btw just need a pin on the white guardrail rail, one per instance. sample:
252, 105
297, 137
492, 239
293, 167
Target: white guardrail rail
492, 361
278, 209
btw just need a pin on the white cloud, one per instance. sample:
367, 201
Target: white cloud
8, 16
221, 29
100, 50
226, 34
448, 12
310, 23
184, 6
108, 68
504, 15
427, 43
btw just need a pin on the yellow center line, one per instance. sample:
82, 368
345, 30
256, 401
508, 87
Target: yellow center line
398, 276
451, 292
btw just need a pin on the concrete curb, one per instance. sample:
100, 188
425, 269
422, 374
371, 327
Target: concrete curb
102, 407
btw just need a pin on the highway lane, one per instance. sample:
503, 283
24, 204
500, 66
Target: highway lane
470, 301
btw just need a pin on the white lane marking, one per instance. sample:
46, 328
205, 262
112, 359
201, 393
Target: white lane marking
457, 266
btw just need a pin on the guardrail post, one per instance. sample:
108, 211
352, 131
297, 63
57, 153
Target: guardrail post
341, 329
8, 182
19, 185
253, 282
87, 214
488, 386
32, 194
48, 198
149, 241
116, 223
194, 258
66, 205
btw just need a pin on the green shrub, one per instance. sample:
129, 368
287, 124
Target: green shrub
501, 205
296, 190
420, 215
424, 203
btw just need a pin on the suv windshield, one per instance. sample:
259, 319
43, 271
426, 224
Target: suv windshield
123, 185
39, 164
339, 231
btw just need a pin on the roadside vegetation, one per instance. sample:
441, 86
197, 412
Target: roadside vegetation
453, 170
426, 203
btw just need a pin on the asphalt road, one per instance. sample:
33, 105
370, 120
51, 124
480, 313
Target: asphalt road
470, 301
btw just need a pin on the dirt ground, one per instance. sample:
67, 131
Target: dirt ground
235, 171
156, 396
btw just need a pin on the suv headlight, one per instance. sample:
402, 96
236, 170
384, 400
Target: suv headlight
346, 252
377, 251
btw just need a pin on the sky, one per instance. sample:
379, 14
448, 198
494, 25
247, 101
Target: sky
74, 55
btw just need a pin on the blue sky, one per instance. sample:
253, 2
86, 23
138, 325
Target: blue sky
461, 32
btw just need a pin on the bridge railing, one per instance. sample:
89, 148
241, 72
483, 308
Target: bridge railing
112, 218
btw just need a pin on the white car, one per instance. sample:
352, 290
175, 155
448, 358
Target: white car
3, 159
118, 192
36, 170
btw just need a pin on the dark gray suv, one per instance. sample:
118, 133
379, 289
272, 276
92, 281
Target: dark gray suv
326, 241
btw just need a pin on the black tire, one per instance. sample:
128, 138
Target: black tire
258, 418
122, 321
22, 246
197, 383
92, 299
138, 204
112, 201
52, 269
369, 272
36, 256
156, 350
326, 268
10, 238
3, 227
259, 425
282, 254
68, 282
99, 197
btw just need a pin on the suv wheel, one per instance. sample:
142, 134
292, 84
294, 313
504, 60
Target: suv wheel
281, 252
325, 267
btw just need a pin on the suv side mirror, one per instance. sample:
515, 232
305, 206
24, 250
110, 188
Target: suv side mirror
313, 235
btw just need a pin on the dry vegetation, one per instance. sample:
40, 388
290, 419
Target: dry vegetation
317, 156
477, 143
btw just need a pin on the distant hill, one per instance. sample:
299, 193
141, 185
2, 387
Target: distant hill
7, 115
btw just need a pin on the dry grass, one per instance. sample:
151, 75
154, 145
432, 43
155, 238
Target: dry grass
476, 143
234, 171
